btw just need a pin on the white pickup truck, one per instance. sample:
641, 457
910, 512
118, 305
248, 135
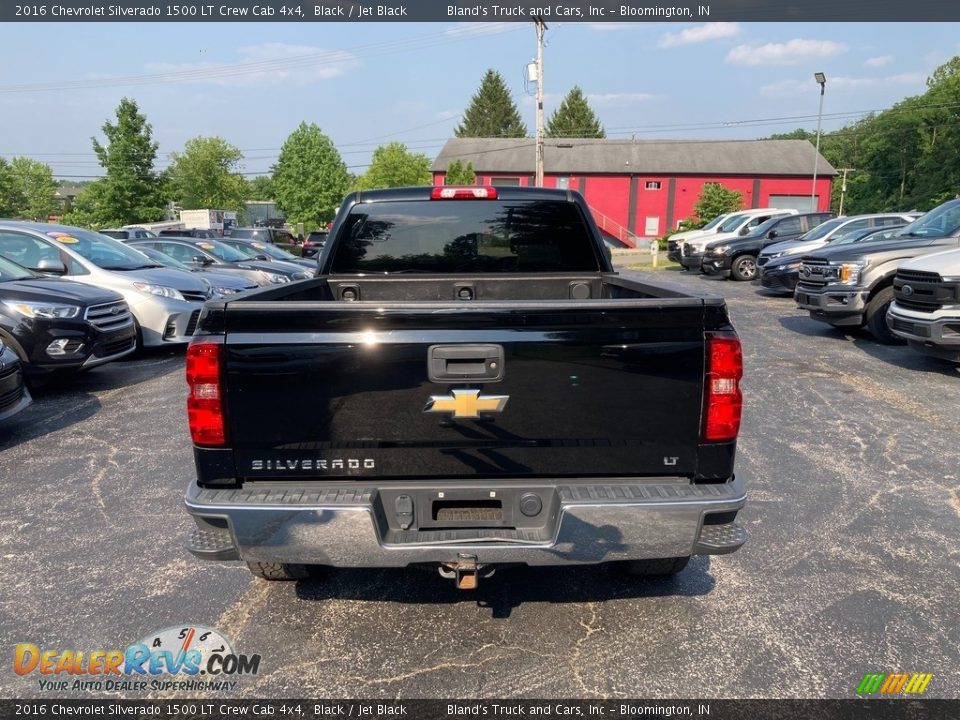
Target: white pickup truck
926, 308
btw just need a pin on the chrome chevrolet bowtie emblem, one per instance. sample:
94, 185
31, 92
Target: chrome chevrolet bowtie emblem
466, 403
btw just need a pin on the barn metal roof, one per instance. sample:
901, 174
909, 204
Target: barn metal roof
651, 157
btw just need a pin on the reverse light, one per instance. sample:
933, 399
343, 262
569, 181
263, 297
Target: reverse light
205, 398
723, 401
467, 192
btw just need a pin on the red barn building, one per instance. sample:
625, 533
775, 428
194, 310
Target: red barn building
643, 188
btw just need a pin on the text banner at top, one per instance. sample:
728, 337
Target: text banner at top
599, 11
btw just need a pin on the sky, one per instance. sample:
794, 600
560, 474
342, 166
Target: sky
369, 84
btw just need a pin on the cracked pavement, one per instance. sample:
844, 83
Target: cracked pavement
849, 449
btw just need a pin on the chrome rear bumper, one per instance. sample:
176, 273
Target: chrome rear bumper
346, 526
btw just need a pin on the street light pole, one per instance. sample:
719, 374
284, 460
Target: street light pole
822, 81
541, 28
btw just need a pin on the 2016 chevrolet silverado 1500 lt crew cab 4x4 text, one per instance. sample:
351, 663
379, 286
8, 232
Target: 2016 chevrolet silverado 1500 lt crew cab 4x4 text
466, 383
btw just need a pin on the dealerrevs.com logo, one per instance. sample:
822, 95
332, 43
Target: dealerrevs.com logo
186, 657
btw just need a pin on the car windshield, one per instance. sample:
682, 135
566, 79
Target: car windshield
939, 222
868, 235
251, 233
102, 251
271, 251
766, 225
713, 223
221, 251
246, 250
11, 271
732, 222
159, 257
822, 230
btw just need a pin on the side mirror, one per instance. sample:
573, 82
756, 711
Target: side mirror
202, 260
744, 231
772, 234
51, 267
261, 257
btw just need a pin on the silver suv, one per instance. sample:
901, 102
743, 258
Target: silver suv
165, 303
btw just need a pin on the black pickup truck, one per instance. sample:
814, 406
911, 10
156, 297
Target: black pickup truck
465, 384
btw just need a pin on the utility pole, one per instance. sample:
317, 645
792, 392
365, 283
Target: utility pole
541, 29
843, 186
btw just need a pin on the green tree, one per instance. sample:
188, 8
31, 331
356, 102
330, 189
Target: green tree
260, 188
574, 119
492, 112
460, 174
715, 199
205, 175
310, 177
8, 192
34, 190
130, 191
393, 165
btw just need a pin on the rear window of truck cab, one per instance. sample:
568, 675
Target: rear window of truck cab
465, 236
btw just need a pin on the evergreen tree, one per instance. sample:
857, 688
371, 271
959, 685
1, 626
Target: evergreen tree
574, 119
394, 166
460, 174
492, 112
310, 178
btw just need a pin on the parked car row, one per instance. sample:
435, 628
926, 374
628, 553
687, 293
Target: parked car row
897, 274
72, 299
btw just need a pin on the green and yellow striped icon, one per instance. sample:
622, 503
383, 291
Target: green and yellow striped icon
894, 683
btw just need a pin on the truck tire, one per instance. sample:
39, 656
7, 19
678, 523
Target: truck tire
661, 567
877, 317
743, 267
278, 571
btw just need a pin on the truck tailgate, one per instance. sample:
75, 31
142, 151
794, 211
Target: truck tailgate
598, 388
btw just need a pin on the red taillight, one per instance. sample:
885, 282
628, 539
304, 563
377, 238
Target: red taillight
463, 192
205, 401
723, 401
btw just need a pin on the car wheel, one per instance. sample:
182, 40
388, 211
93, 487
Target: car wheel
278, 571
660, 567
744, 268
877, 317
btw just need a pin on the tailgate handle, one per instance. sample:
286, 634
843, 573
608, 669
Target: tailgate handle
457, 363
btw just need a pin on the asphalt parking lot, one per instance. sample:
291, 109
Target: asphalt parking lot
849, 447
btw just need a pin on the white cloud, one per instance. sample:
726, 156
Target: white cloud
878, 61
618, 98
448, 114
268, 63
700, 33
786, 88
788, 53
